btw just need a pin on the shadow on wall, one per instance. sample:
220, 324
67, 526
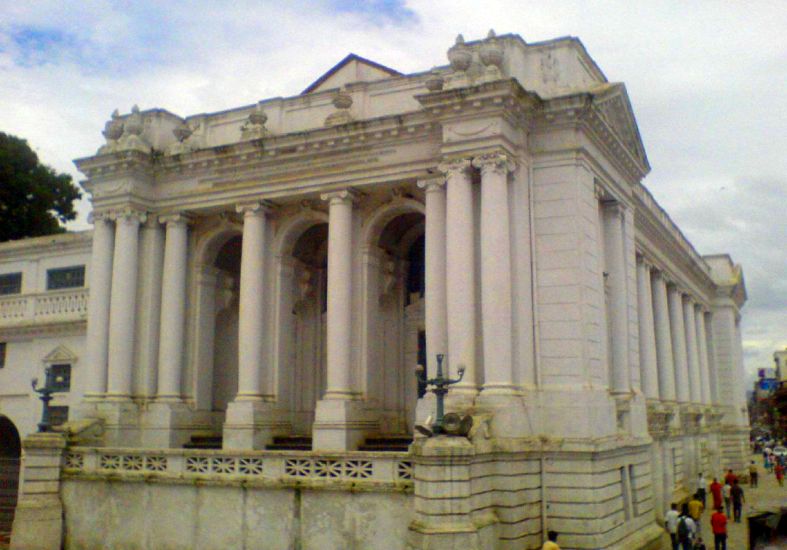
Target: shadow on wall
10, 451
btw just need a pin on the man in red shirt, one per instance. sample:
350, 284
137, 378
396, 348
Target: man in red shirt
715, 490
730, 478
718, 522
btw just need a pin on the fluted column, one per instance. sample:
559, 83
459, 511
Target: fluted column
435, 314
460, 277
661, 319
702, 345
98, 306
679, 345
173, 308
339, 315
616, 268
692, 350
647, 335
252, 301
495, 273
122, 312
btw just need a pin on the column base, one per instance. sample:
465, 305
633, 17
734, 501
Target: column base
251, 424
341, 425
509, 417
168, 424
120, 418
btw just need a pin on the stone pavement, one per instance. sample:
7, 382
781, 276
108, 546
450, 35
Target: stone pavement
767, 495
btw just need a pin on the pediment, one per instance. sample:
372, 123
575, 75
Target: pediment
352, 68
614, 105
61, 354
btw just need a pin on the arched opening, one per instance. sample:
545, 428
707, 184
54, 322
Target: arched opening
10, 452
395, 317
225, 328
308, 286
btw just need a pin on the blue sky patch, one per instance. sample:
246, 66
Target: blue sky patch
378, 11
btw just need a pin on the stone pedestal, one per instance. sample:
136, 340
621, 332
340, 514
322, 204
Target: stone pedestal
38, 522
167, 425
508, 415
251, 424
443, 509
340, 425
120, 418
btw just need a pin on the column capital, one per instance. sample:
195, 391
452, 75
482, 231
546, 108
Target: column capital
100, 215
454, 166
432, 183
614, 206
344, 196
495, 162
175, 218
646, 263
254, 208
129, 214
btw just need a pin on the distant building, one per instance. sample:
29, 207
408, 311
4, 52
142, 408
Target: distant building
267, 277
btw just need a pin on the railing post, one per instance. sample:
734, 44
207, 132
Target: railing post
38, 521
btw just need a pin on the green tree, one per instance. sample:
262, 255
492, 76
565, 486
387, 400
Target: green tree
34, 198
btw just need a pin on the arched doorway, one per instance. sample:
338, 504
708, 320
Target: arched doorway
10, 452
395, 327
225, 349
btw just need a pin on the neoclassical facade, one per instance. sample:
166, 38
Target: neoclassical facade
275, 272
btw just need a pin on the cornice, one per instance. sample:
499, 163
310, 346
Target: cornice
78, 242
55, 328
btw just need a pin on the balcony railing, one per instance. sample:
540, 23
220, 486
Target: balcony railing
44, 307
285, 467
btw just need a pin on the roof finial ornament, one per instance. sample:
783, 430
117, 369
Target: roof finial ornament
459, 39
254, 127
342, 101
491, 33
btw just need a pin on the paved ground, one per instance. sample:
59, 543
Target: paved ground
767, 495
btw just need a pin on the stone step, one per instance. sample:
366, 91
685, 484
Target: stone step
290, 443
387, 443
204, 441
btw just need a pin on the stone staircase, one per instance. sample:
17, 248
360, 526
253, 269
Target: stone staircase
290, 443
204, 441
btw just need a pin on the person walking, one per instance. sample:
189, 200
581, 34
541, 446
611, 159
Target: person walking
718, 522
551, 542
686, 529
671, 524
779, 471
754, 475
730, 478
737, 501
727, 492
702, 483
695, 511
715, 491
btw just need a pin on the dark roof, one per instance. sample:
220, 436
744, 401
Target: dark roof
351, 57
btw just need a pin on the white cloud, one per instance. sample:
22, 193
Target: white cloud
706, 80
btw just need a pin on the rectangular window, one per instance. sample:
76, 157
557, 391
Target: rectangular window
58, 415
625, 490
10, 283
2, 354
61, 377
65, 277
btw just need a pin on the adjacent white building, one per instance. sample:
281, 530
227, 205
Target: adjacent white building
272, 274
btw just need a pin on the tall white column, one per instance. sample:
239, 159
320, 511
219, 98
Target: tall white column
173, 308
495, 273
435, 314
252, 302
339, 315
460, 277
98, 306
647, 335
692, 350
616, 268
122, 310
680, 358
664, 356
702, 342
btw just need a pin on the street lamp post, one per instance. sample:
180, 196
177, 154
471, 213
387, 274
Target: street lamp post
45, 393
439, 385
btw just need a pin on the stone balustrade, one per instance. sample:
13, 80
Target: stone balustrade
63, 305
374, 470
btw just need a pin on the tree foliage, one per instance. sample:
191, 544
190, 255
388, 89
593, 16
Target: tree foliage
34, 198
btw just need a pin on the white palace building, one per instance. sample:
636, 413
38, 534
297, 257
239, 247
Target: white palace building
234, 342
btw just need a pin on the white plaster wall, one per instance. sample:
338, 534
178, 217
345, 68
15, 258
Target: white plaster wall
168, 516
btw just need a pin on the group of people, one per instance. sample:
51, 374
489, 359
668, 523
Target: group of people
774, 463
685, 526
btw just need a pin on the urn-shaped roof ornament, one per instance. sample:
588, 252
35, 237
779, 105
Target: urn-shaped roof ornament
113, 129
459, 55
342, 101
182, 132
491, 53
434, 82
254, 127
134, 124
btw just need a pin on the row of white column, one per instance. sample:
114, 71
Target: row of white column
451, 255
112, 307
673, 341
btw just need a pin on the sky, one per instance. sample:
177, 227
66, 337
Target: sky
707, 80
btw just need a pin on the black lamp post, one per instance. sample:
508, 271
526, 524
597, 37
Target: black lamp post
440, 388
45, 396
